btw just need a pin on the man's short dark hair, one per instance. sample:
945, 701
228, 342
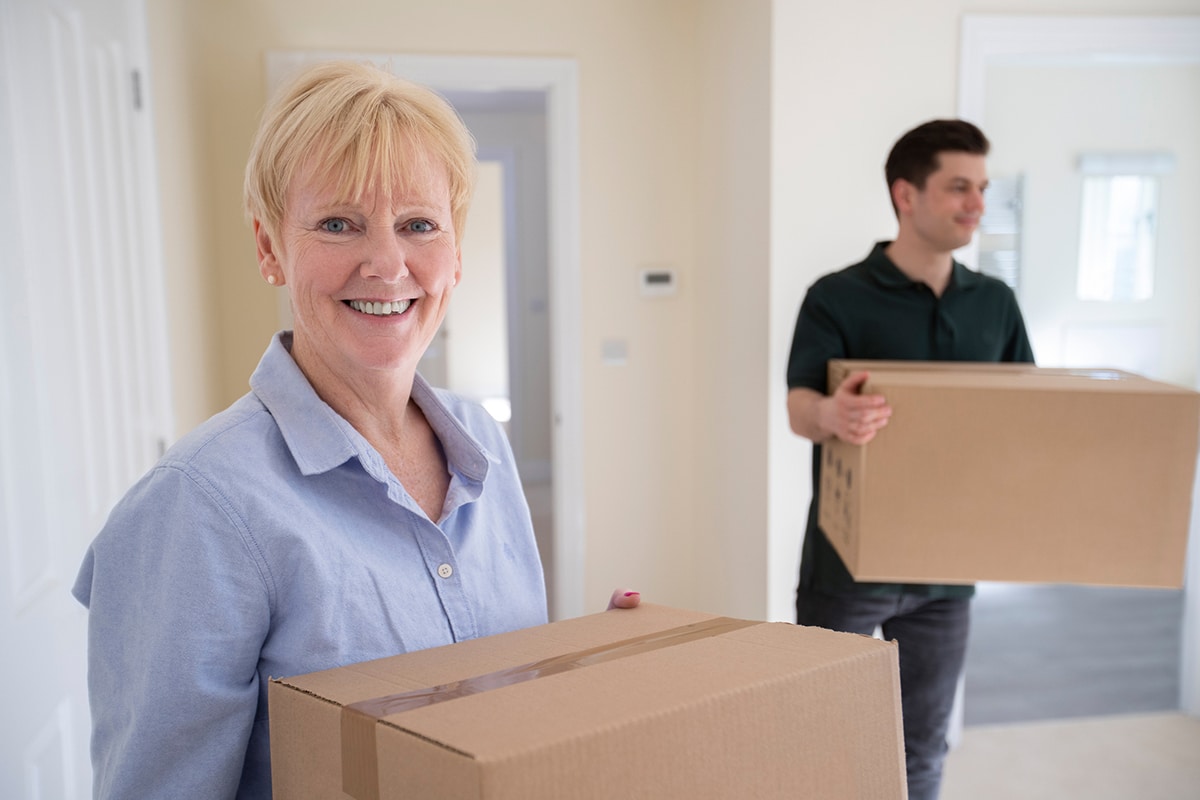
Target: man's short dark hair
914, 156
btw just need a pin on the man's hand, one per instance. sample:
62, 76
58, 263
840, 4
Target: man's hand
624, 598
853, 417
846, 414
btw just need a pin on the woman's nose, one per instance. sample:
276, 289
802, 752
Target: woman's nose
386, 257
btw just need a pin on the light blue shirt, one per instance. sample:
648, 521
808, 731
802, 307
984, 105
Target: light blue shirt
273, 541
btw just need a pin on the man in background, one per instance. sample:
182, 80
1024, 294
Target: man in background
908, 300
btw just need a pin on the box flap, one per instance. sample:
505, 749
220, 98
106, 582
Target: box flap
503, 723
997, 377
440, 665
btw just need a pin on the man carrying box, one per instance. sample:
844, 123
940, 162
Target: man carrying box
908, 300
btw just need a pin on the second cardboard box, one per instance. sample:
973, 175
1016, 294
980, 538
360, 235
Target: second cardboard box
1010, 472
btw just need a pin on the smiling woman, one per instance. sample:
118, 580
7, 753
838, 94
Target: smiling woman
369, 277
343, 509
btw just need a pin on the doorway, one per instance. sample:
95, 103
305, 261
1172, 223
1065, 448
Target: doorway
1010, 71
494, 345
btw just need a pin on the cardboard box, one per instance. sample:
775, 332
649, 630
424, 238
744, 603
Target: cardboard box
653, 702
1010, 472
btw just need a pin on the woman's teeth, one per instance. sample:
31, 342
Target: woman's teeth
381, 309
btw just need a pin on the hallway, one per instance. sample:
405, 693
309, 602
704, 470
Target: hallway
1041, 652
1073, 692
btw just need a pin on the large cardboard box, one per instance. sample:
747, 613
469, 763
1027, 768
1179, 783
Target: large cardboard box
1010, 472
654, 702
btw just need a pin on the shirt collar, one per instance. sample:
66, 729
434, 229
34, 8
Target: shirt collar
308, 425
887, 274
320, 439
463, 452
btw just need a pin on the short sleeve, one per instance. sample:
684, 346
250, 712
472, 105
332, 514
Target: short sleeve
815, 341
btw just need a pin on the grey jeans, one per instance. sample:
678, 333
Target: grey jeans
932, 637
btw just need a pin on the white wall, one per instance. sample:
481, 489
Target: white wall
843, 92
1042, 118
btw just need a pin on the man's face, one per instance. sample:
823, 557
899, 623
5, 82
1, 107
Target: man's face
946, 211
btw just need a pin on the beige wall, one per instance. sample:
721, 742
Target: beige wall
731, 389
188, 240
739, 142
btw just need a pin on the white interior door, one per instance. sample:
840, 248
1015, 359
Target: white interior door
84, 407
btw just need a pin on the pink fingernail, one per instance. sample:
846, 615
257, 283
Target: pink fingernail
631, 594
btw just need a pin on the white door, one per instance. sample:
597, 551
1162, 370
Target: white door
84, 407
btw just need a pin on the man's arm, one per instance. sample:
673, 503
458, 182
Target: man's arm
846, 414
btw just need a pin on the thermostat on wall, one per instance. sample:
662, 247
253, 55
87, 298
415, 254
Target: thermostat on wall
657, 281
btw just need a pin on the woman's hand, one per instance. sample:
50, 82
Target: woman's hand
624, 598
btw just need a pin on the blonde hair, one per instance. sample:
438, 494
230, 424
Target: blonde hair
363, 127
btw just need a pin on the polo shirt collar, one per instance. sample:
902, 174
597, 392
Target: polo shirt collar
887, 274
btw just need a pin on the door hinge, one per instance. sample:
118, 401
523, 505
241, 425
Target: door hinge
137, 90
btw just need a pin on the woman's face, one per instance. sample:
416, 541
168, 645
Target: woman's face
369, 279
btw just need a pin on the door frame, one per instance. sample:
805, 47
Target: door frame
558, 79
994, 39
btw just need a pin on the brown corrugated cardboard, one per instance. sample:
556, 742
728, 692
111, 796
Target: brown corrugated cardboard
1010, 472
652, 702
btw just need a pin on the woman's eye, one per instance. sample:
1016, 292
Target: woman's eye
421, 226
335, 225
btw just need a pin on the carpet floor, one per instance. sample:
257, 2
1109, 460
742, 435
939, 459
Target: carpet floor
1122, 757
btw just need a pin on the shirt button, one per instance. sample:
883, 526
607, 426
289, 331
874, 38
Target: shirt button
445, 570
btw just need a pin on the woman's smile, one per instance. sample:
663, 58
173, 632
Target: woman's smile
380, 309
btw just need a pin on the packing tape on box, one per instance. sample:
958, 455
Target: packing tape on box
360, 767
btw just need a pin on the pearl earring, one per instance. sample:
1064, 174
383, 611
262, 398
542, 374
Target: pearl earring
271, 279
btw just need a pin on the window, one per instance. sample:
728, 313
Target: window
1000, 230
1117, 229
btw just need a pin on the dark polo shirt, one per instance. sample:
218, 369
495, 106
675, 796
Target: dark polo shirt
872, 310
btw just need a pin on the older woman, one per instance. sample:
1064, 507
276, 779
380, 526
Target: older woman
343, 509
